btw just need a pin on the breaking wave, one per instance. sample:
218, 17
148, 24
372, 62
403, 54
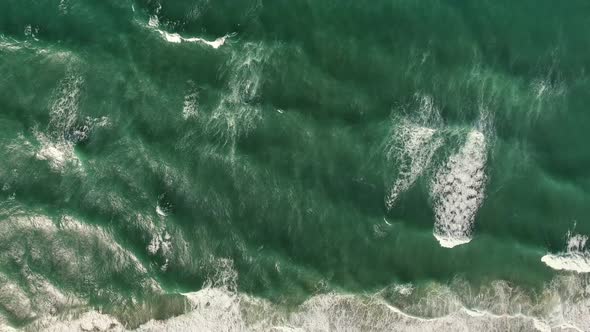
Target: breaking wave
176, 38
498, 306
458, 191
576, 258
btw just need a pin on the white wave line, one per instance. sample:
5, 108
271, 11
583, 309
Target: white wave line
576, 258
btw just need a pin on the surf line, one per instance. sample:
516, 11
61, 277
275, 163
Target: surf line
177, 39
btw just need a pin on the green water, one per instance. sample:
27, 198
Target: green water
298, 156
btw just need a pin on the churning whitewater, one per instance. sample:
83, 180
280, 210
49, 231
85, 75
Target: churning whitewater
458, 191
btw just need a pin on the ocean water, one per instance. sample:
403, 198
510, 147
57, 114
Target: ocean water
254, 165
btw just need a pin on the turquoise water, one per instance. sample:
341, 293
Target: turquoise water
294, 165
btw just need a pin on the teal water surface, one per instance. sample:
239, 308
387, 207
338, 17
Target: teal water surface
287, 150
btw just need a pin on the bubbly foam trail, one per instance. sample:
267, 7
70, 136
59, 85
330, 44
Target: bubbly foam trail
412, 145
576, 258
458, 192
175, 38
57, 154
64, 110
191, 103
63, 115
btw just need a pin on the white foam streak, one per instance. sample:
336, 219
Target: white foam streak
191, 103
576, 258
577, 262
160, 211
451, 241
88, 321
458, 191
418, 149
154, 22
177, 39
213, 310
412, 145
57, 154
215, 44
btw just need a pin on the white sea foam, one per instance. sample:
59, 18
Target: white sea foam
160, 242
47, 298
64, 6
63, 115
576, 258
213, 310
101, 122
55, 147
411, 146
215, 44
563, 305
70, 245
57, 154
154, 22
15, 301
176, 38
191, 103
237, 114
458, 191
29, 44
160, 211
165, 242
578, 262
9, 45
404, 289
64, 109
120, 257
86, 322
547, 86
416, 153
502, 309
